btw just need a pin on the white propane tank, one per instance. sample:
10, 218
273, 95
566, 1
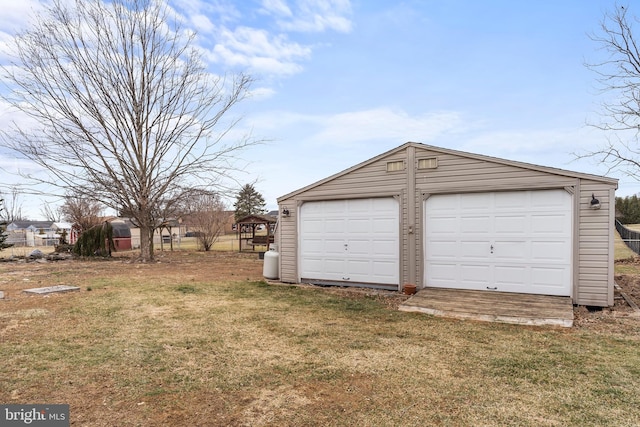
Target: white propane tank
270, 266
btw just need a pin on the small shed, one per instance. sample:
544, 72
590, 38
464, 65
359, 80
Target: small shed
121, 236
436, 217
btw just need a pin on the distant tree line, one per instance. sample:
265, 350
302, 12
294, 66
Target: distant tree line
628, 209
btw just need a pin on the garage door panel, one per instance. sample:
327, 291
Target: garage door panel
530, 232
388, 269
443, 273
312, 264
471, 250
358, 266
358, 247
357, 240
385, 226
475, 202
334, 267
475, 224
550, 224
443, 249
314, 246
513, 276
510, 250
385, 248
358, 206
333, 226
444, 225
309, 226
511, 200
358, 226
475, 275
549, 251
447, 203
548, 199
510, 224
333, 247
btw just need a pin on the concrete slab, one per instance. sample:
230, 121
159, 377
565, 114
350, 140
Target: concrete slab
52, 289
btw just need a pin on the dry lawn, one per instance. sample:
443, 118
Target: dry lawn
198, 339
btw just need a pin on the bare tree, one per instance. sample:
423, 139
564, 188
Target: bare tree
128, 114
619, 75
50, 213
207, 216
12, 210
83, 212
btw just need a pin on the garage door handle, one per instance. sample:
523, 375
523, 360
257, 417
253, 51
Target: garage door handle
491, 248
492, 289
346, 278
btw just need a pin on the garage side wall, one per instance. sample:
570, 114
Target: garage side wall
595, 245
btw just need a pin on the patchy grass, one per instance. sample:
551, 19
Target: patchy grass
200, 339
621, 250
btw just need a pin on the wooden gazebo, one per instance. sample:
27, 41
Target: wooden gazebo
246, 230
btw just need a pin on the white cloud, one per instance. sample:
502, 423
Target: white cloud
388, 124
259, 51
17, 14
262, 93
357, 127
311, 15
202, 23
255, 47
276, 7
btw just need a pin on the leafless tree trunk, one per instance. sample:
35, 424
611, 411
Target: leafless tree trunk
128, 114
619, 75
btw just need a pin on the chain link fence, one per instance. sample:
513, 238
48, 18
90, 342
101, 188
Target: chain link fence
630, 238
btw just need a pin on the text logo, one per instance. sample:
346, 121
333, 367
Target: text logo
34, 415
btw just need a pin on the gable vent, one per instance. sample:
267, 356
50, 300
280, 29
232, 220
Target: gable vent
395, 166
430, 163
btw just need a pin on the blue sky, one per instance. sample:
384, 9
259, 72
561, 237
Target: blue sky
340, 81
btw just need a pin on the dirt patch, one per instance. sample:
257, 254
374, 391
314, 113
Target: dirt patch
621, 317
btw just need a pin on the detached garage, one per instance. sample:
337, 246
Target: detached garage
441, 218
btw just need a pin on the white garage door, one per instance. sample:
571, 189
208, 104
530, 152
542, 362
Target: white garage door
350, 241
518, 241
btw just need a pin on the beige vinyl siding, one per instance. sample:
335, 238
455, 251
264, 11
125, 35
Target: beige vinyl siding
455, 174
287, 244
595, 275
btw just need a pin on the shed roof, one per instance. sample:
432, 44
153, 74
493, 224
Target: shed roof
545, 169
23, 225
257, 219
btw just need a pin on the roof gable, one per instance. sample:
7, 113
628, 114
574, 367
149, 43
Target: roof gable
480, 157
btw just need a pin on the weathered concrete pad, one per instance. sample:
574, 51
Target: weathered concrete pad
52, 289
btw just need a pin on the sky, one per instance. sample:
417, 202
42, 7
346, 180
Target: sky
338, 82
